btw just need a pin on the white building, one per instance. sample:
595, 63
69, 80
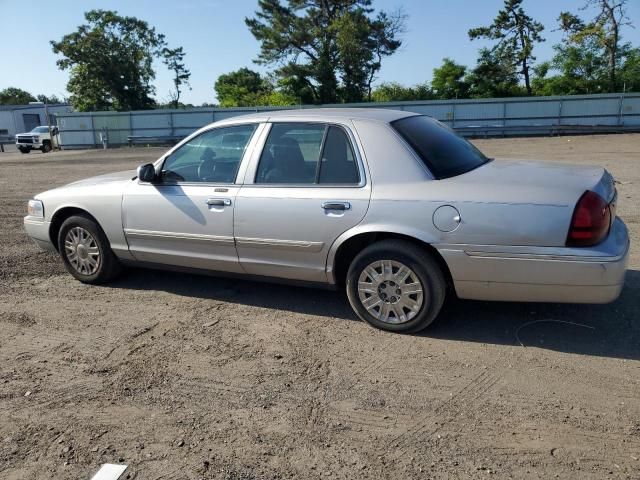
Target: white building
23, 118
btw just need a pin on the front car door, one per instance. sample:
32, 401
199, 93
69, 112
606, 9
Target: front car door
303, 188
186, 217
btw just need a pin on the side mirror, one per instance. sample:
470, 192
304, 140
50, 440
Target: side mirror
146, 172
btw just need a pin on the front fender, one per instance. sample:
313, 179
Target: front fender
105, 208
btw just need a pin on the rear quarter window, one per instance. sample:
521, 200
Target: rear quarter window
445, 153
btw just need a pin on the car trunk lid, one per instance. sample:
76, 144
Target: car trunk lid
526, 181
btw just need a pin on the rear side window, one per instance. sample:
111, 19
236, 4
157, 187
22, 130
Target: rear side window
338, 162
291, 154
445, 153
297, 153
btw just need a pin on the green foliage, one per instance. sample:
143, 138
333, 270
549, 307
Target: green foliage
591, 59
173, 58
602, 32
53, 99
15, 96
294, 81
395, 92
247, 88
448, 80
629, 74
240, 88
516, 33
276, 98
330, 51
110, 62
580, 69
326, 50
493, 76
354, 53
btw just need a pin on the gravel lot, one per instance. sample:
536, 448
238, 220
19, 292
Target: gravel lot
185, 376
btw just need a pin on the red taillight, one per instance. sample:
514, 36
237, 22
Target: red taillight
591, 221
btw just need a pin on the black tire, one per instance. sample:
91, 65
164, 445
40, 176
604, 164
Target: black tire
24, 150
46, 147
423, 266
108, 266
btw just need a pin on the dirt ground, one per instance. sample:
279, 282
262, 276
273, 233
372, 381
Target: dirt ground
185, 376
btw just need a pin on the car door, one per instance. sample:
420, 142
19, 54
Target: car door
305, 187
186, 217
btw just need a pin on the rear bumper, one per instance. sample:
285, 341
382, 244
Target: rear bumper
542, 274
38, 230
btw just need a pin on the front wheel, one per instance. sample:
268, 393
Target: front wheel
24, 150
46, 147
397, 286
85, 251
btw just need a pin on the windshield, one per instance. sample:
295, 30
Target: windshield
445, 153
40, 130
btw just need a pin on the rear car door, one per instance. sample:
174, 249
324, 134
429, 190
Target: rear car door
186, 217
305, 187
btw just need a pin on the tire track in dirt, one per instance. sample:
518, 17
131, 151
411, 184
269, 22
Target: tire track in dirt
433, 421
382, 421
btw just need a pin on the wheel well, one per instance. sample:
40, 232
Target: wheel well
351, 247
60, 216
46, 141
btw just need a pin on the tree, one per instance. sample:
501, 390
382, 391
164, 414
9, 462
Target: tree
630, 72
240, 88
328, 50
580, 66
362, 44
293, 80
110, 62
395, 92
448, 80
516, 33
493, 76
173, 58
604, 29
15, 96
247, 88
53, 99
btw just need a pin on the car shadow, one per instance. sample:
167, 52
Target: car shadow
176, 195
611, 330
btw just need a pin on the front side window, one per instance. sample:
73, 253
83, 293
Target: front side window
296, 153
212, 157
445, 153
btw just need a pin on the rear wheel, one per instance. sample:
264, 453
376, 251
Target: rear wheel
85, 251
397, 286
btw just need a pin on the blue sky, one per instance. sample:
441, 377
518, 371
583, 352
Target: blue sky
216, 39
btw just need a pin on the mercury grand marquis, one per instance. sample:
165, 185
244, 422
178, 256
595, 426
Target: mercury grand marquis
392, 206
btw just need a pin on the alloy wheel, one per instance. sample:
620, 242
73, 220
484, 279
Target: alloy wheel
390, 291
82, 251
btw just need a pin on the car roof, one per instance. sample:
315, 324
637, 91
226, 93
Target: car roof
325, 114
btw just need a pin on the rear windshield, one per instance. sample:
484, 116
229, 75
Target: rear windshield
445, 153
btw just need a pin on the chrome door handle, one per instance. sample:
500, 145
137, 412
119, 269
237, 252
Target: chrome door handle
219, 202
336, 206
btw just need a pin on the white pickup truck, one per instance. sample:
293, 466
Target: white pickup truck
40, 138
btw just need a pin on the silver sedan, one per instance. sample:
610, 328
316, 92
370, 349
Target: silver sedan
392, 206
